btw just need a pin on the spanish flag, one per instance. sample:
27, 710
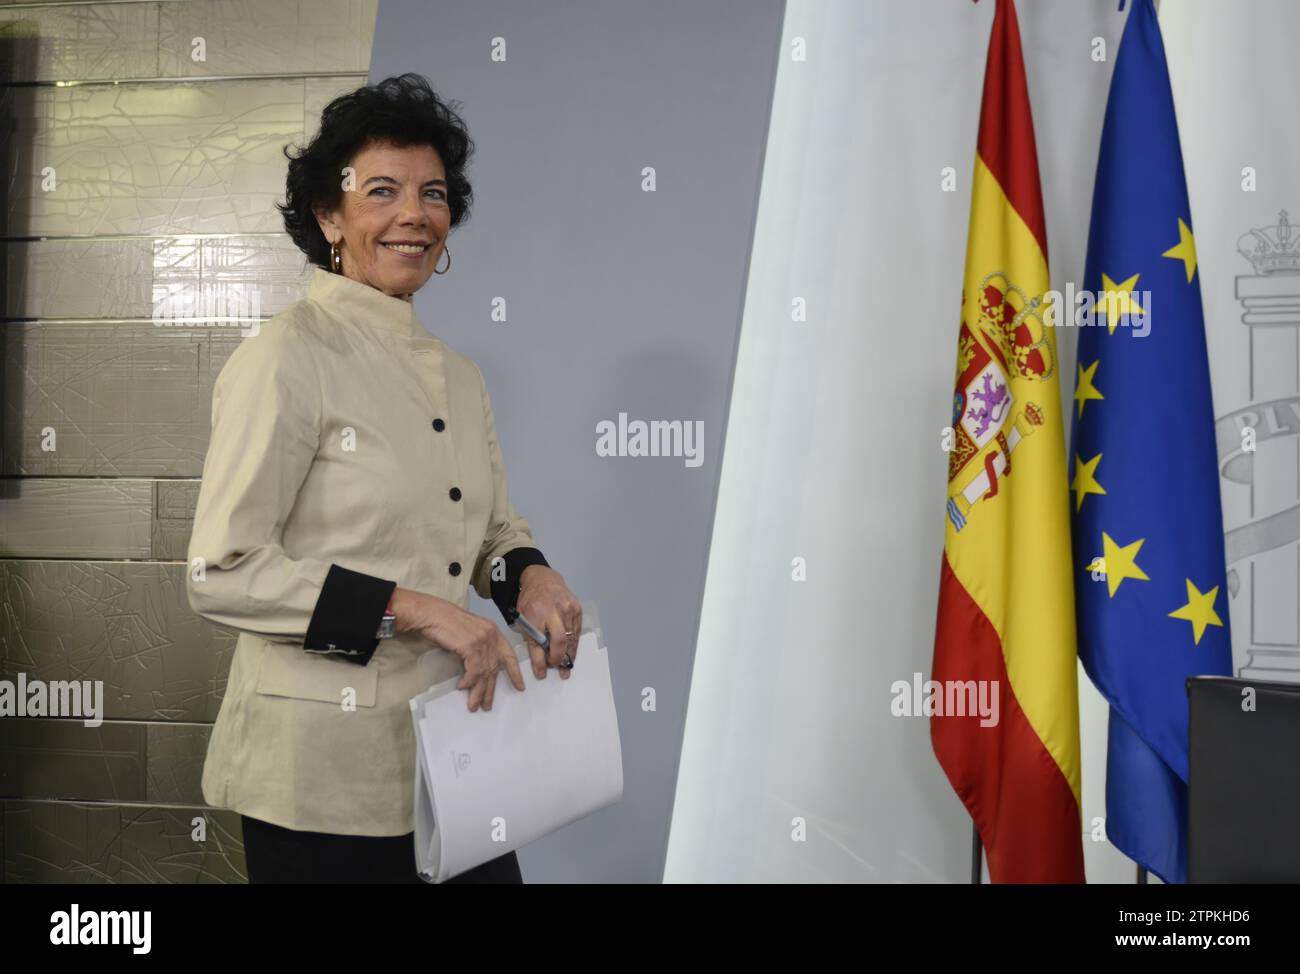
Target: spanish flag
1005, 631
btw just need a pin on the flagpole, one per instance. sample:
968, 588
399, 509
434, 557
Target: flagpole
976, 856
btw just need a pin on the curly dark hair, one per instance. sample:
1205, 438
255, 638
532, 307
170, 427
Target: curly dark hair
402, 110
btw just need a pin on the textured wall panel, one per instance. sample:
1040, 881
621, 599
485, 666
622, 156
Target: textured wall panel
76, 518
56, 842
237, 276
176, 499
78, 278
174, 504
130, 277
128, 624
194, 157
86, 41
319, 92
158, 847
48, 758
129, 399
108, 41
175, 762
118, 761
171, 537
256, 37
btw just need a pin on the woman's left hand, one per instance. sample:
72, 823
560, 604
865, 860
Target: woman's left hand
549, 605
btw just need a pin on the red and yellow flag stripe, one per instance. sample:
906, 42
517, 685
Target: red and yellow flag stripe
1006, 598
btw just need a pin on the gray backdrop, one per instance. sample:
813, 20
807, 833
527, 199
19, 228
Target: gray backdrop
618, 300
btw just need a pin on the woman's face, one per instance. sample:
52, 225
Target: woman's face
393, 221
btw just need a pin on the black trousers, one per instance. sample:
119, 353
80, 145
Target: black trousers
278, 855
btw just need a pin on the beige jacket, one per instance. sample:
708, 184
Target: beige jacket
350, 452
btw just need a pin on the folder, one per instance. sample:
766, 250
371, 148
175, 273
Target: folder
490, 782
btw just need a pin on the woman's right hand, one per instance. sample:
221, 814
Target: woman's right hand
479, 643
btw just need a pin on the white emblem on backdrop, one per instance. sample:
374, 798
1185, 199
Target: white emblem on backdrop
1263, 554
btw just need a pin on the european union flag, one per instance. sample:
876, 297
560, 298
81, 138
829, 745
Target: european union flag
1151, 595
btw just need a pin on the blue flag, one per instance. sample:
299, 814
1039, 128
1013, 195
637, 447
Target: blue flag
1151, 596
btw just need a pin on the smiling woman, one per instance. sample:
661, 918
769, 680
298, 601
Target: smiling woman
387, 167
353, 491
389, 234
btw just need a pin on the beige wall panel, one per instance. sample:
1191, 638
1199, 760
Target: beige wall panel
257, 37
61, 842
96, 42
238, 276
176, 499
243, 276
175, 762
47, 758
171, 538
158, 846
194, 157
128, 624
82, 42
78, 278
76, 518
130, 399
319, 92
174, 505
125, 761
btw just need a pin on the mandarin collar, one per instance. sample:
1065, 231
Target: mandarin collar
353, 301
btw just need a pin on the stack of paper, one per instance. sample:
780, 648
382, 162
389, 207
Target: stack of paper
490, 782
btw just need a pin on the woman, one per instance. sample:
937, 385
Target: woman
354, 483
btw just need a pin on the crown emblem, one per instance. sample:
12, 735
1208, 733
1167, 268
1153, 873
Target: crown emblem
1013, 321
1272, 250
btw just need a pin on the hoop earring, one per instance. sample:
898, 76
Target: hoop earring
447, 251
336, 259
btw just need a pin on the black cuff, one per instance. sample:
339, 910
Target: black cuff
505, 591
347, 615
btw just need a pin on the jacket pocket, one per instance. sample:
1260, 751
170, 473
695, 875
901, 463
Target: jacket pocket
289, 671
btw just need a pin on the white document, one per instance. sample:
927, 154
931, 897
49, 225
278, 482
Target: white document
491, 782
